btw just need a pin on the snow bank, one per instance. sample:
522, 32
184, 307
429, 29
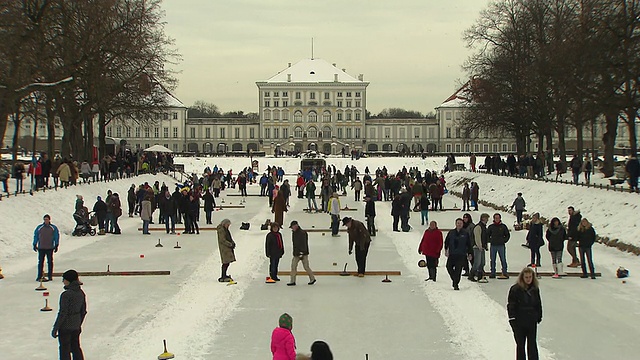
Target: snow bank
611, 213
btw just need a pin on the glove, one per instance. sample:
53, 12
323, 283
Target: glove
55, 250
54, 333
350, 252
35, 248
469, 257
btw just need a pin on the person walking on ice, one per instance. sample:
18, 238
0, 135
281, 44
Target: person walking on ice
519, 204
524, 308
300, 253
68, 325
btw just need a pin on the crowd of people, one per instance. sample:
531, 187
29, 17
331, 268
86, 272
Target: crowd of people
465, 246
543, 164
65, 172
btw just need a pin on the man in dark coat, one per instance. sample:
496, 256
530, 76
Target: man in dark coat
168, 208
370, 215
279, 207
209, 205
46, 169
457, 245
300, 253
405, 201
100, 209
131, 199
572, 235
498, 236
359, 236
73, 310
184, 203
274, 248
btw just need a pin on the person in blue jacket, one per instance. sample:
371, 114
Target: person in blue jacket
46, 239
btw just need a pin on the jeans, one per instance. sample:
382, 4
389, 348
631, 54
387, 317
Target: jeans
478, 263
312, 200
335, 223
171, 217
273, 267
575, 177
5, 186
19, 184
424, 216
208, 215
454, 267
114, 224
69, 341
525, 336
556, 257
145, 227
361, 258
305, 265
502, 252
41, 255
587, 252
108, 223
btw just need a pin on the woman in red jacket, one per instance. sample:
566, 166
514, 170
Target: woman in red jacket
431, 247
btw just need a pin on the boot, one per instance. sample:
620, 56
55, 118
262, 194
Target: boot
573, 264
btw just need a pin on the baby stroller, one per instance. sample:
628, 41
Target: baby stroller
84, 225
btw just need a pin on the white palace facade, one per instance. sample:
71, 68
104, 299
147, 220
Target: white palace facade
314, 105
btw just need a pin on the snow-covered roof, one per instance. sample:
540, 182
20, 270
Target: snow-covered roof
173, 101
312, 70
461, 98
455, 103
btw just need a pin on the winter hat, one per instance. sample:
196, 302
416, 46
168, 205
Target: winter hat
285, 321
79, 197
70, 275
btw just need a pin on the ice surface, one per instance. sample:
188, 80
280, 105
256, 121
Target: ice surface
408, 318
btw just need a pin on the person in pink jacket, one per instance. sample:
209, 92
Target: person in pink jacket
283, 344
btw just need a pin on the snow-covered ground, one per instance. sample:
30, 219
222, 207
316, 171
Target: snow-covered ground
408, 318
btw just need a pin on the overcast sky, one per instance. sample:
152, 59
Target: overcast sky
411, 51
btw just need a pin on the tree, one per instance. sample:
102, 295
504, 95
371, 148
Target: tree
203, 109
398, 113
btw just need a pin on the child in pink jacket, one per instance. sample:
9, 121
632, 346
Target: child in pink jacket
283, 344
